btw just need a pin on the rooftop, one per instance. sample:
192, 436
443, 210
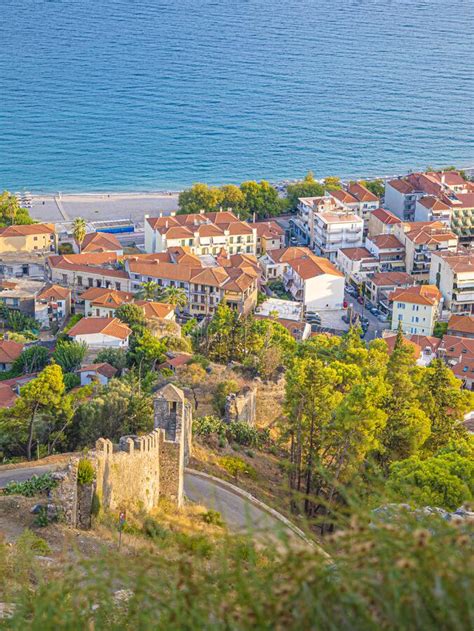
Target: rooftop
357, 254
386, 217
100, 242
418, 294
388, 279
105, 326
286, 309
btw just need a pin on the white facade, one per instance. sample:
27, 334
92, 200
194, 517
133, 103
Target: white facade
92, 376
325, 291
334, 231
416, 319
454, 275
99, 340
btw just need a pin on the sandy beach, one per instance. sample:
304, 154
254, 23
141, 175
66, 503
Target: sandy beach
101, 206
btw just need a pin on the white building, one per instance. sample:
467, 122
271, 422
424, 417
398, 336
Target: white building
97, 373
389, 251
101, 332
453, 273
357, 264
336, 230
304, 222
202, 233
417, 308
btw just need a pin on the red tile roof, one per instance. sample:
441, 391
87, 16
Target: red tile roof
103, 368
100, 242
54, 292
9, 351
268, 229
361, 193
385, 216
387, 242
389, 279
105, 326
390, 340
461, 323
7, 396
357, 254
27, 230
418, 294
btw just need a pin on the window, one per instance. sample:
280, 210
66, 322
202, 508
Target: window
117, 286
35, 238
90, 281
401, 305
64, 278
79, 280
400, 317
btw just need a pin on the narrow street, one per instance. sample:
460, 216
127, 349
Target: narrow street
375, 325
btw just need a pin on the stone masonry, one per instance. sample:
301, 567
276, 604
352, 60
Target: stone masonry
140, 470
242, 406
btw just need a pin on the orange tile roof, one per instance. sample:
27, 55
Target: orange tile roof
68, 263
268, 229
361, 193
344, 197
385, 216
100, 242
426, 341
310, 266
7, 396
9, 351
87, 258
450, 178
106, 326
454, 346
357, 254
460, 262
435, 232
27, 230
390, 341
155, 309
465, 200
461, 323
103, 368
54, 292
464, 369
103, 297
418, 294
388, 279
387, 242
433, 203
170, 271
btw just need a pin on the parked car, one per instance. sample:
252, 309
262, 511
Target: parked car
344, 304
383, 317
374, 311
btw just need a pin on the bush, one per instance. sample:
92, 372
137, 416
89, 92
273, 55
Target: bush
236, 466
38, 484
85, 472
71, 380
238, 432
154, 530
213, 517
74, 319
41, 520
224, 388
30, 541
207, 425
198, 545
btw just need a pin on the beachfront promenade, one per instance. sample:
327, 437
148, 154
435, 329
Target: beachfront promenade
101, 206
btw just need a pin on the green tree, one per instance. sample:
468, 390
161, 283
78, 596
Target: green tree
116, 357
261, 198
233, 199
41, 397
131, 314
175, 296
146, 351
122, 407
377, 187
19, 322
445, 480
32, 359
70, 355
200, 197
306, 188
332, 183
11, 212
150, 290
79, 229
193, 375
445, 402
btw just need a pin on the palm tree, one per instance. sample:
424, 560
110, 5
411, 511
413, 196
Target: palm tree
175, 296
79, 230
150, 290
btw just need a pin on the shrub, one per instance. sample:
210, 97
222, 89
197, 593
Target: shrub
207, 425
41, 520
85, 472
36, 485
198, 545
212, 517
30, 541
154, 530
74, 319
224, 388
236, 466
71, 380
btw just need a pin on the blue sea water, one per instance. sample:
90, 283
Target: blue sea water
157, 94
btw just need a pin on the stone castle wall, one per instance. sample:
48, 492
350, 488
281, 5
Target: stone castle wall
137, 471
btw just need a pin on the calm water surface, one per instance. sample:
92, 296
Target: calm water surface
154, 94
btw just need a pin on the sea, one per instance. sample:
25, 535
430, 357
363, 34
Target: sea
148, 95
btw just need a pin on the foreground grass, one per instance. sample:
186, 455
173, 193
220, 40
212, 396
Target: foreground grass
406, 574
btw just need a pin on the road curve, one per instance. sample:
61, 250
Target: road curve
239, 513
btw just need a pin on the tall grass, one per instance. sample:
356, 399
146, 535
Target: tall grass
411, 573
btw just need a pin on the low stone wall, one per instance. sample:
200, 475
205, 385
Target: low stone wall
242, 407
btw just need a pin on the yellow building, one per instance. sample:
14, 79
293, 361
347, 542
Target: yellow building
38, 237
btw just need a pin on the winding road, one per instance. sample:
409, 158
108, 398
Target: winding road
239, 513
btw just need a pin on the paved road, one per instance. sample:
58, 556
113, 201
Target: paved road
238, 513
375, 325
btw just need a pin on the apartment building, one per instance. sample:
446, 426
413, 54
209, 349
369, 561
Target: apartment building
453, 273
382, 221
82, 271
205, 287
202, 233
389, 251
270, 236
38, 237
382, 284
432, 208
357, 264
421, 241
416, 308
304, 222
19, 294
333, 231
310, 279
